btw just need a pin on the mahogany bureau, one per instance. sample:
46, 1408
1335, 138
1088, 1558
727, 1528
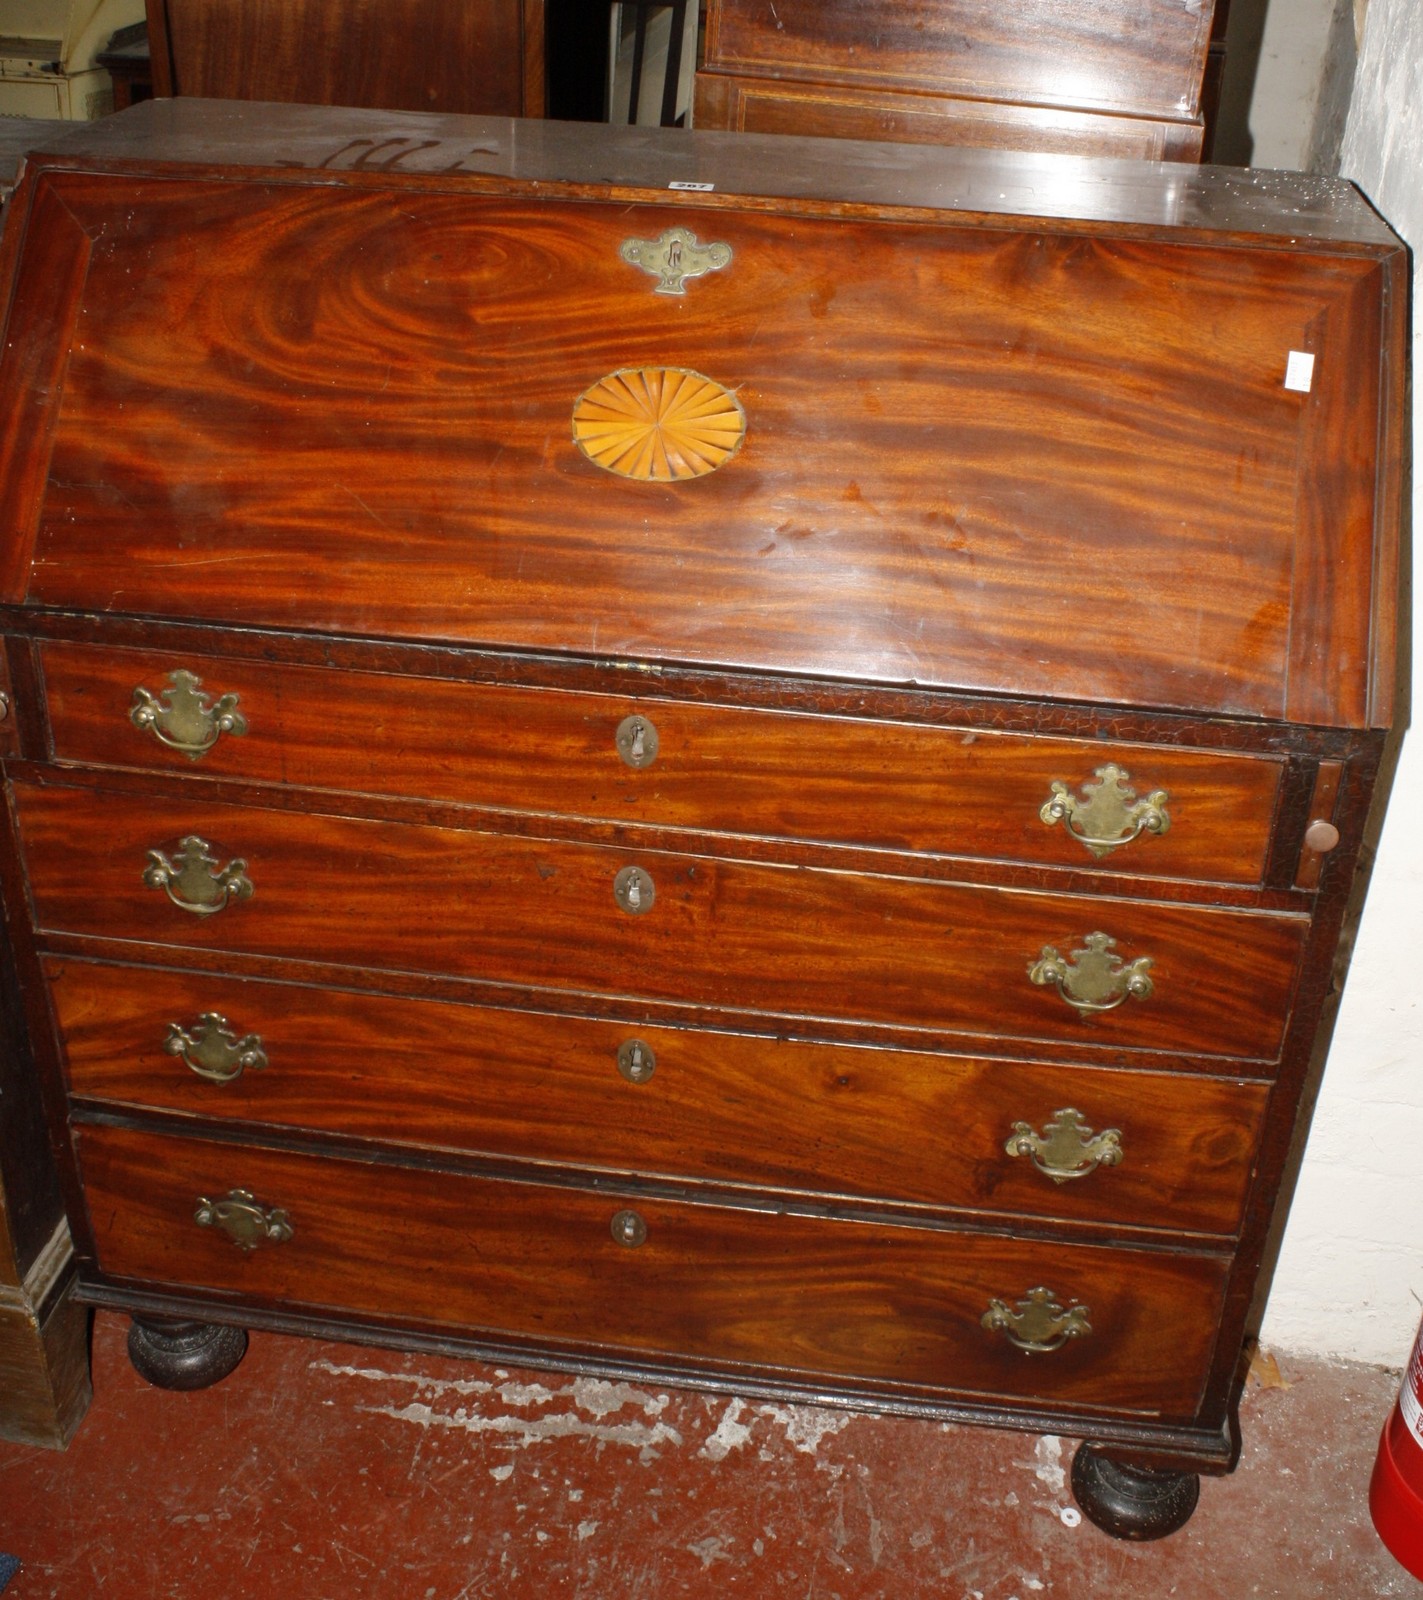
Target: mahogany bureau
1089, 77
736, 760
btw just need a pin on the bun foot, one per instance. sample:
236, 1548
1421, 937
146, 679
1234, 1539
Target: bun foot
184, 1355
1132, 1502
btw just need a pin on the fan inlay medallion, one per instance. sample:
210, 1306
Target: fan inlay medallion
658, 424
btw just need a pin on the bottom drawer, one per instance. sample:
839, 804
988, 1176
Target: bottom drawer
870, 1303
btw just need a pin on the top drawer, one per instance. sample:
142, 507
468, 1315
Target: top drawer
665, 763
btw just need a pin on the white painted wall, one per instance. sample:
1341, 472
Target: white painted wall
1350, 1278
1287, 82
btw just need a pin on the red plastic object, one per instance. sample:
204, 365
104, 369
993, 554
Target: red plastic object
1396, 1489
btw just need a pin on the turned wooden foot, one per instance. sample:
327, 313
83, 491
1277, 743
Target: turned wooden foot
1132, 1502
184, 1355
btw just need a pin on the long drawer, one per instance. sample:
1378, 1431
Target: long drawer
738, 1287
598, 920
951, 791
1149, 1149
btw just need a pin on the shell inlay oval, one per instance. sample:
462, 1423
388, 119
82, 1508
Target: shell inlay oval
658, 424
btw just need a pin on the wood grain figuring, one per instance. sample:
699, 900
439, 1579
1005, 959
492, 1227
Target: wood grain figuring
946, 791
865, 1124
413, 55
768, 940
826, 111
1042, 437
896, 1304
289, 398
1143, 58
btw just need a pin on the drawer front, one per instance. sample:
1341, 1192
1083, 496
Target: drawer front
950, 791
792, 942
623, 1097
884, 1304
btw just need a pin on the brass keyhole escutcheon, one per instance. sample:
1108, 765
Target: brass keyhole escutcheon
636, 740
634, 891
629, 1229
636, 1061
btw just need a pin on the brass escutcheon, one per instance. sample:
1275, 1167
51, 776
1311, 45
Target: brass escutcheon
1093, 979
636, 740
1107, 814
629, 1229
194, 881
213, 1050
1067, 1148
634, 891
636, 1061
246, 1223
1038, 1323
675, 257
183, 719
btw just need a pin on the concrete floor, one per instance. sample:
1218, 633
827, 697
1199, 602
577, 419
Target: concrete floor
322, 1472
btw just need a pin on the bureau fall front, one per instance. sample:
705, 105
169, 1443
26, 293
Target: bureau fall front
716, 758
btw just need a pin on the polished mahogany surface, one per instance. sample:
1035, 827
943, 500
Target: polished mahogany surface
720, 769
1120, 77
1119, 465
738, 1287
479, 56
839, 899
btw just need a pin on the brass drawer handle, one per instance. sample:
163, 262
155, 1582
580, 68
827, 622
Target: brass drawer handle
629, 1229
634, 891
213, 1050
636, 740
246, 1223
194, 881
1039, 1322
1093, 979
636, 1061
1106, 814
183, 719
1067, 1148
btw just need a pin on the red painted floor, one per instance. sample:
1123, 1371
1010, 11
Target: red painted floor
329, 1472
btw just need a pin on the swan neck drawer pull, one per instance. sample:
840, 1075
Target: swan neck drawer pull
1093, 979
1038, 1323
246, 1223
183, 719
194, 881
1066, 1148
212, 1049
1107, 814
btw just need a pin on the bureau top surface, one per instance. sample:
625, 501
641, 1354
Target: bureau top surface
1079, 430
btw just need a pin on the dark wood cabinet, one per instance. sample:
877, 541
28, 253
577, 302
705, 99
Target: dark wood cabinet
1100, 77
746, 772
480, 56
